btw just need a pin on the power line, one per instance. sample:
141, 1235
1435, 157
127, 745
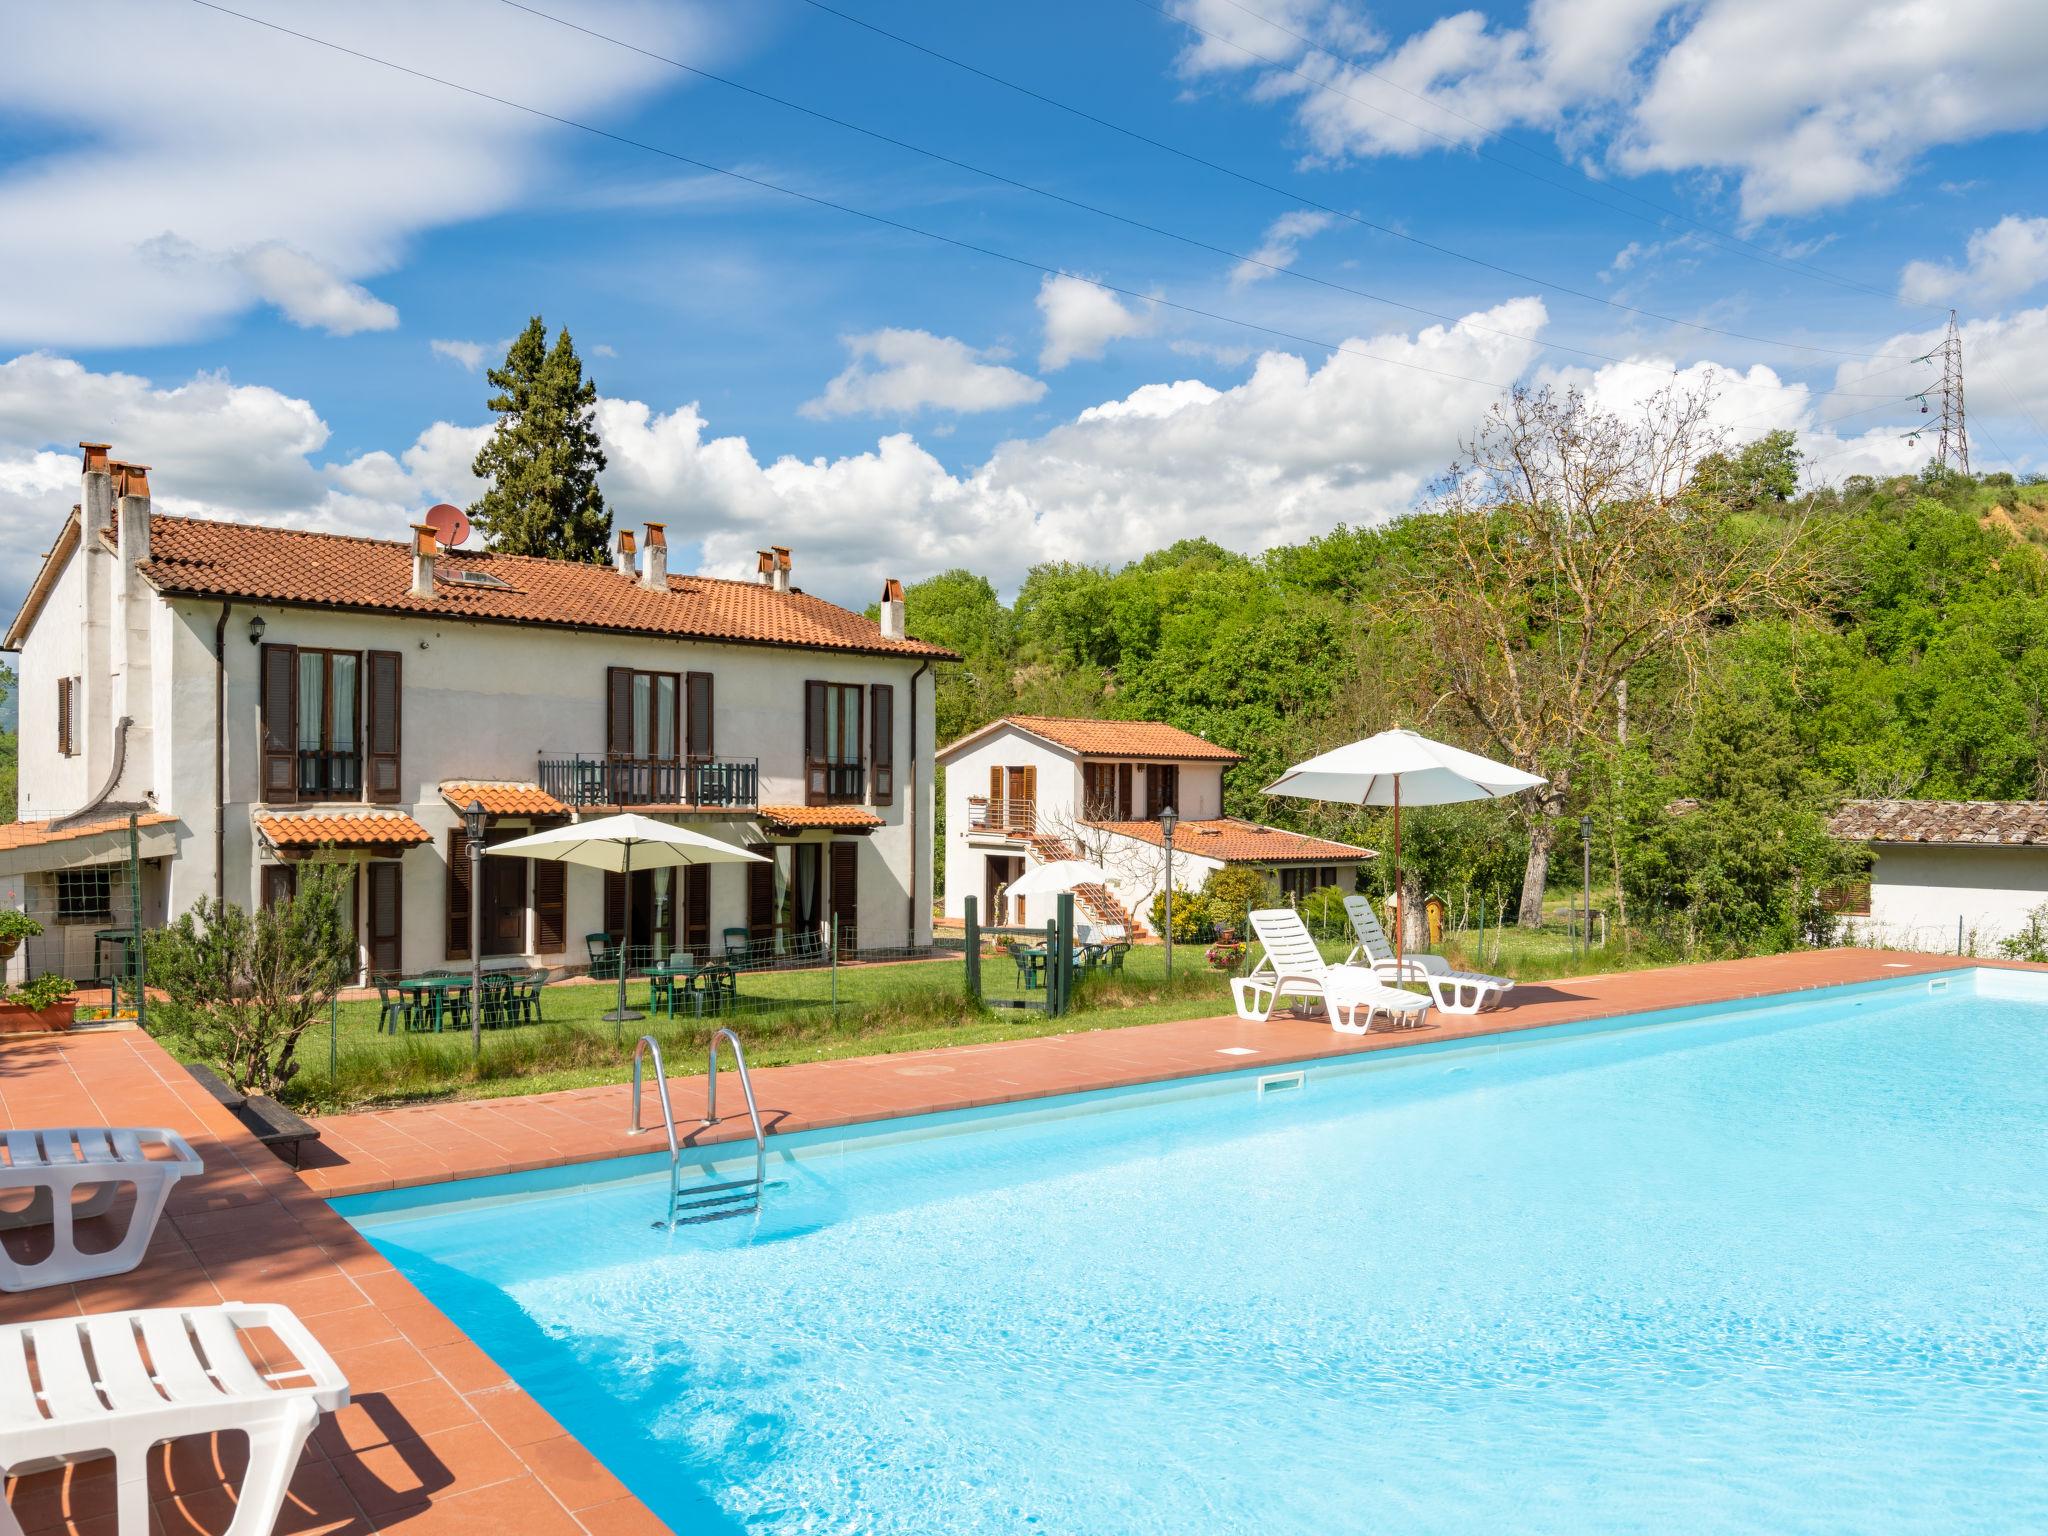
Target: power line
860, 213
1754, 251
1297, 197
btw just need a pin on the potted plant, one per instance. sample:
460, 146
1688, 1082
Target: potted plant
1227, 953
41, 1005
14, 927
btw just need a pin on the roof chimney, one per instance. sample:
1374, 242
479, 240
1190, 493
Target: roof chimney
654, 562
623, 558
892, 609
780, 579
764, 567
96, 493
131, 529
423, 551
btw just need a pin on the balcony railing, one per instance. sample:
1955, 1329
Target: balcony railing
581, 781
1006, 815
330, 775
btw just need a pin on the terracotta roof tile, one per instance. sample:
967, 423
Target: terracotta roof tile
819, 816
1111, 738
1241, 842
1989, 822
503, 799
344, 829
34, 834
196, 557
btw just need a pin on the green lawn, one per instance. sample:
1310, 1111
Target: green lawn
792, 1015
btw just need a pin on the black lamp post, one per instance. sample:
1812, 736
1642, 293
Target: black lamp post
473, 824
1167, 821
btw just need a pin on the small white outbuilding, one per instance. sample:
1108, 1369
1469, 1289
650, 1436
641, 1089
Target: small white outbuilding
1948, 875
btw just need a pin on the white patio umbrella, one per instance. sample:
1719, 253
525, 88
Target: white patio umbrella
1059, 875
1400, 766
622, 844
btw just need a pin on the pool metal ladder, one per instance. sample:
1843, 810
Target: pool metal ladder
721, 1199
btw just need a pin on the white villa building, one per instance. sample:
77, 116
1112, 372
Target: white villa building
263, 696
1030, 789
1948, 872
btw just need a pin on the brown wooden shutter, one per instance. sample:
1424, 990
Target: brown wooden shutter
550, 906
697, 718
618, 711
816, 779
846, 892
1123, 791
761, 897
280, 881
64, 716
387, 889
458, 894
882, 754
697, 909
1028, 813
615, 905
280, 699
381, 726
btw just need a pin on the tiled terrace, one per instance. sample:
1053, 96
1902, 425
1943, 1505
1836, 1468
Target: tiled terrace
438, 1438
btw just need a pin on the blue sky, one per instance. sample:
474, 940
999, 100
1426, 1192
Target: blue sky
238, 260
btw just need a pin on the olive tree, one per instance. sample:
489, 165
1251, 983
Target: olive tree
241, 988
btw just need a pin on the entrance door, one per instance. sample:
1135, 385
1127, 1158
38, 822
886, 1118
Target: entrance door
504, 898
654, 910
997, 911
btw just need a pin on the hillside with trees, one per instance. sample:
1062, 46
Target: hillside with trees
1703, 660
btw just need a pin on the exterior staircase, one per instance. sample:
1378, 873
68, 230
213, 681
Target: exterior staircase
1096, 900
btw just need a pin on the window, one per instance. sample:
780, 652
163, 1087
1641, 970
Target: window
1106, 791
67, 744
1162, 788
85, 895
643, 737
882, 721
833, 771
1297, 881
330, 760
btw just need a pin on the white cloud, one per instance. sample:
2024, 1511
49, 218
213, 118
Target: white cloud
897, 372
312, 296
466, 355
1804, 105
2002, 262
137, 225
1280, 245
1081, 319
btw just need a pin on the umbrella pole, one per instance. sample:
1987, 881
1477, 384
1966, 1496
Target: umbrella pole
1400, 896
625, 950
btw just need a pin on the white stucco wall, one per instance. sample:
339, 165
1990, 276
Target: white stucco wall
50, 783
1917, 892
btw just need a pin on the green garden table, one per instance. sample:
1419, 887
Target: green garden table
663, 979
435, 988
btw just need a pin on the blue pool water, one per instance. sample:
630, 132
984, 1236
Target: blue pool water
1783, 1270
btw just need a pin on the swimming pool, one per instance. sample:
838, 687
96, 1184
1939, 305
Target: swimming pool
1777, 1268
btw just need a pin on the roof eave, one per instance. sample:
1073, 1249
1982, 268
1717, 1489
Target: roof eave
60, 551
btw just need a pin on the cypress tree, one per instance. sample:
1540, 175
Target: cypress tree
543, 458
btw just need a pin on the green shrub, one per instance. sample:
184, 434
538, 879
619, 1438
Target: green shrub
43, 992
1235, 890
1194, 919
1323, 911
241, 989
2031, 942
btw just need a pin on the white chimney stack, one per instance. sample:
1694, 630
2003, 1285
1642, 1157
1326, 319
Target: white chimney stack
892, 610
96, 490
423, 552
623, 558
131, 488
779, 579
654, 558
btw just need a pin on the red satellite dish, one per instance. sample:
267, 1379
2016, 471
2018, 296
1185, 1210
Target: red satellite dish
450, 524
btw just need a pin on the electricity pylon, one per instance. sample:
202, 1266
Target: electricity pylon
1952, 449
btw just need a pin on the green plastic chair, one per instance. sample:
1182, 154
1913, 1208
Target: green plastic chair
604, 956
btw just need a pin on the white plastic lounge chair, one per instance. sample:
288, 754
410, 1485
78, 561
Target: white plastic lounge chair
55, 1166
1292, 966
78, 1388
1459, 992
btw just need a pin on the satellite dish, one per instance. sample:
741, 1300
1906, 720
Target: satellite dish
450, 524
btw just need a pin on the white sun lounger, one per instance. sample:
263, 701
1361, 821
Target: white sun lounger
55, 1166
1460, 992
79, 1388
1292, 966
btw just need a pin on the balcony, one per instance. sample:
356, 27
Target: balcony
1001, 818
602, 780
328, 775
